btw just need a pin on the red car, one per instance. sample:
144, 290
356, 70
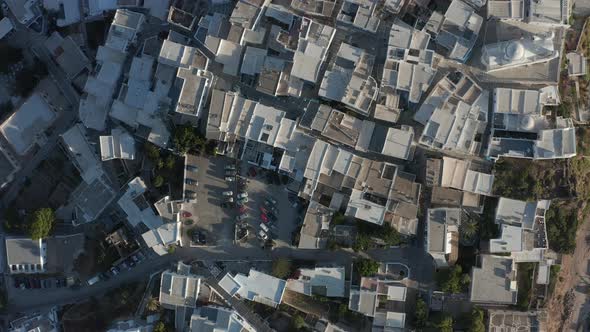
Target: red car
186, 214
264, 218
243, 209
263, 210
252, 172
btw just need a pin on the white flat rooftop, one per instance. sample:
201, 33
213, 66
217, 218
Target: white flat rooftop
31, 119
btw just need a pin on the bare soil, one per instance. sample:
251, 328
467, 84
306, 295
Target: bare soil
563, 315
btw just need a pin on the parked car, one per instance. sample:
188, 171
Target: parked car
93, 280
242, 195
229, 179
242, 217
271, 200
228, 193
114, 270
271, 216
227, 204
199, 237
190, 194
192, 182
263, 235
192, 168
230, 167
264, 228
229, 199
264, 218
243, 209
269, 207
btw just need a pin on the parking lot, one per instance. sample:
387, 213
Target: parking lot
207, 214
269, 203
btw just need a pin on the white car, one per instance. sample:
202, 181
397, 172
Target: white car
228, 193
263, 235
264, 228
242, 195
229, 178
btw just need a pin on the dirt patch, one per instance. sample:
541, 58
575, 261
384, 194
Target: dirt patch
574, 272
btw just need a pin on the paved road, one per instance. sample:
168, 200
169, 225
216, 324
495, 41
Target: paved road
27, 300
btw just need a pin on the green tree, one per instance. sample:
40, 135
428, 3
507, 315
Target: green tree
297, 323
421, 313
170, 162
160, 327
281, 268
366, 267
445, 324
158, 181
152, 151
42, 223
477, 324
186, 138
453, 280
390, 236
171, 249
153, 304
361, 242
469, 228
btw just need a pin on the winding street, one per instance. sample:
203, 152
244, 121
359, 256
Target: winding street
422, 271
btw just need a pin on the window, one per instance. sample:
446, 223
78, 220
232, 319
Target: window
264, 137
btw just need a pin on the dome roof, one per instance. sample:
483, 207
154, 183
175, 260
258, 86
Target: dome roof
527, 122
514, 51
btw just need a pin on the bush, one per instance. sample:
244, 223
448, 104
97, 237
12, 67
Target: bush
158, 181
42, 223
421, 313
445, 324
366, 267
525, 284
338, 218
476, 321
562, 224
